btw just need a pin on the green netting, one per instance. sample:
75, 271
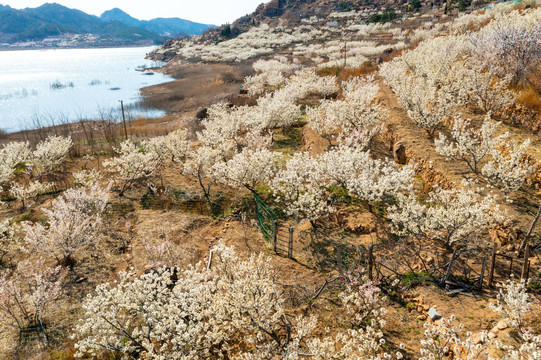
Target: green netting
265, 217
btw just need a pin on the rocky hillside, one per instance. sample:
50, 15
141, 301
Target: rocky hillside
310, 21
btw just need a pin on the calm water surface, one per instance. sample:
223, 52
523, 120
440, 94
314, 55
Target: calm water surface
42, 87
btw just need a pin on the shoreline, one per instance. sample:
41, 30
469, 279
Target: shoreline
74, 47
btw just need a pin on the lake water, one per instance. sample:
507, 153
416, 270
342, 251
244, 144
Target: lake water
42, 87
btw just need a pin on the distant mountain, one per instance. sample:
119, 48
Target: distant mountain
164, 26
54, 19
50, 20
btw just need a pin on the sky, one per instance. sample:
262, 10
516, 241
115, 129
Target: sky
215, 12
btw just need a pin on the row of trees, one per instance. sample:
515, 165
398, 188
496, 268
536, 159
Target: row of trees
235, 309
435, 81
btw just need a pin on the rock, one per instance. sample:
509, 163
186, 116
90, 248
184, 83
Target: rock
202, 113
399, 153
421, 317
502, 325
433, 314
477, 338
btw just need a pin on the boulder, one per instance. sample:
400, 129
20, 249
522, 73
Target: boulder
201, 114
433, 314
399, 153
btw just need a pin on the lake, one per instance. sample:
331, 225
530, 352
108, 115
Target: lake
45, 87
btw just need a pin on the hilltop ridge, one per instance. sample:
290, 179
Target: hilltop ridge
114, 27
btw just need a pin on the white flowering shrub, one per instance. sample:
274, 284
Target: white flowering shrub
260, 83
276, 110
450, 216
366, 179
27, 295
469, 144
73, 223
174, 145
306, 184
487, 93
513, 303
28, 191
86, 178
510, 166
13, 154
301, 189
355, 120
202, 313
447, 339
49, 153
427, 101
511, 46
248, 168
134, 164
529, 349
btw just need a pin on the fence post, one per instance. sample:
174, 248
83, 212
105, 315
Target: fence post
290, 249
492, 265
339, 258
525, 265
449, 268
482, 273
274, 228
370, 261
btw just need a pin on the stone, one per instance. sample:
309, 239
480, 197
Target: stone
399, 153
433, 314
502, 325
201, 114
477, 338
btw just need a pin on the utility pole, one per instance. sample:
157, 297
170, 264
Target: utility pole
345, 53
124, 120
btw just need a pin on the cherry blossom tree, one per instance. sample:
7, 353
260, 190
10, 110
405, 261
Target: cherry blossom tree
31, 190
28, 295
450, 216
12, 155
248, 169
511, 48
513, 303
51, 152
134, 164
354, 120
236, 301
449, 337
469, 144
299, 186
306, 183
73, 223
510, 165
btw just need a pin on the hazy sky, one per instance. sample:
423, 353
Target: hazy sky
204, 11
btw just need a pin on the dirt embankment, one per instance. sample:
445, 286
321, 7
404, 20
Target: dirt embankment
196, 86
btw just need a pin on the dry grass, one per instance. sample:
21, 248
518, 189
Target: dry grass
347, 73
530, 98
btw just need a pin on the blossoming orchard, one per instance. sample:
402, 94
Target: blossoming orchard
370, 190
